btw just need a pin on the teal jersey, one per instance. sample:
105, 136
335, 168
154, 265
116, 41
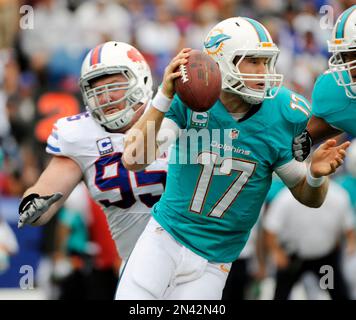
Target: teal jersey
214, 195
331, 103
1, 158
348, 182
78, 238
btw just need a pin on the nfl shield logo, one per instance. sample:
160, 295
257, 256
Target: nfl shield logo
234, 133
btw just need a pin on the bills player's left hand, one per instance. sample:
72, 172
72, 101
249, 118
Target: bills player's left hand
32, 207
327, 158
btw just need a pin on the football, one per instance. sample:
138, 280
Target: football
199, 85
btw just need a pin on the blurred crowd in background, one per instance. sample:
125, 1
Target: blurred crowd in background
39, 72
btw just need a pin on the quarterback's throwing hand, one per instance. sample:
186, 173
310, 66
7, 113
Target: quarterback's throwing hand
328, 157
33, 206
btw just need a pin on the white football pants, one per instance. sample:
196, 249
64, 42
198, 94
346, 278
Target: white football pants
159, 267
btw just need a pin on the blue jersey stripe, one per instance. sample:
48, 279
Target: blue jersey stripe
340, 29
54, 149
259, 29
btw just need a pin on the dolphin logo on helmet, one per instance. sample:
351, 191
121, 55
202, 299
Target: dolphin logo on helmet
215, 41
344, 41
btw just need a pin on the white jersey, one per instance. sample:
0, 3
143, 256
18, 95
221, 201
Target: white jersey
126, 197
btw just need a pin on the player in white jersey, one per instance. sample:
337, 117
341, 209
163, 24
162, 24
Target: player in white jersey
116, 85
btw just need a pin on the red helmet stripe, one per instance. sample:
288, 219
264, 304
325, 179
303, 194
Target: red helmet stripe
96, 55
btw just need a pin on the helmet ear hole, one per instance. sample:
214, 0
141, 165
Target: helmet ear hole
236, 60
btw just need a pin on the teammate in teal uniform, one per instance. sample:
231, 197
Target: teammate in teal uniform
348, 180
217, 183
334, 94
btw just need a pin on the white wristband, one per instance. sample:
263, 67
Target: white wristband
314, 182
161, 102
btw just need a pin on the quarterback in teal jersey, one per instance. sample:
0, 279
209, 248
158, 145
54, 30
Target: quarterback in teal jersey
334, 93
220, 167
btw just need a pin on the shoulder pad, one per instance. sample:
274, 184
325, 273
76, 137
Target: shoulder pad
328, 96
294, 107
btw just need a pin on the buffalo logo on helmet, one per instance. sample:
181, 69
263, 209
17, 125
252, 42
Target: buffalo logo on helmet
135, 56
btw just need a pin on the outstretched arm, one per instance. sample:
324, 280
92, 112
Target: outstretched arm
320, 130
42, 200
311, 191
317, 131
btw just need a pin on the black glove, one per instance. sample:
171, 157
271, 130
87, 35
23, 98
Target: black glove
33, 206
301, 146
